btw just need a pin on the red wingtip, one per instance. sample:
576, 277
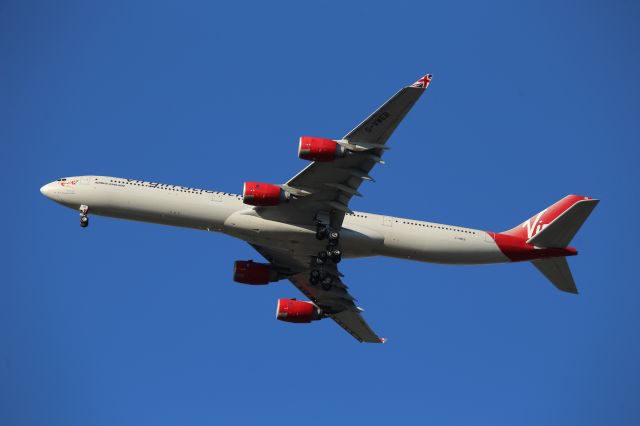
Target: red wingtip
423, 83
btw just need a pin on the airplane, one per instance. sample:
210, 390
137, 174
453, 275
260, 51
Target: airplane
304, 227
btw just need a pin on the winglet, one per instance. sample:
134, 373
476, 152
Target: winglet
423, 83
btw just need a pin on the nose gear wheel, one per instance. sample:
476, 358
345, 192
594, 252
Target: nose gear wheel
84, 216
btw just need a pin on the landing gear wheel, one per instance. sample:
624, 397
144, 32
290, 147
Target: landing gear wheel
84, 219
334, 236
336, 256
314, 277
323, 255
327, 282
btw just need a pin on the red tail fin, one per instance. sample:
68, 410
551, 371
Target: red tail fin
531, 227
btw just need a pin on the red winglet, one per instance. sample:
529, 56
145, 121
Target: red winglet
423, 83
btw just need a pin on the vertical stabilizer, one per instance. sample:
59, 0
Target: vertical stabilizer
556, 225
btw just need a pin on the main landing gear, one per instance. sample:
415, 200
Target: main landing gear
323, 233
331, 253
333, 238
84, 216
317, 277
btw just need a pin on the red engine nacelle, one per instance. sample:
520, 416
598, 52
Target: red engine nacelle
263, 194
292, 310
250, 272
319, 149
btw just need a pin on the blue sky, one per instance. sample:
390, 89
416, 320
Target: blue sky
134, 324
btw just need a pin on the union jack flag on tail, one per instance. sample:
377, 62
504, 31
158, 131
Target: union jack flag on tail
423, 83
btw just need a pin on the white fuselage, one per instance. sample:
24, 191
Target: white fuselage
362, 234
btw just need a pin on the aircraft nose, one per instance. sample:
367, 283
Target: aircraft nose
45, 190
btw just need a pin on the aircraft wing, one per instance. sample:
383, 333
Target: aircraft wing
337, 303
329, 186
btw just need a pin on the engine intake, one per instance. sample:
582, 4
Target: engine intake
250, 272
319, 149
298, 311
263, 194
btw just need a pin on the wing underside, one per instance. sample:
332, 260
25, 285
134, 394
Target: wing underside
336, 303
329, 186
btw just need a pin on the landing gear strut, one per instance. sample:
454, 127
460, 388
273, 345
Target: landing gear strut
84, 216
321, 232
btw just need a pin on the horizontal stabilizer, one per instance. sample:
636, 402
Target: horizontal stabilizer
556, 269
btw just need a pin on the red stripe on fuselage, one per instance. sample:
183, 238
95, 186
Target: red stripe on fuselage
517, 249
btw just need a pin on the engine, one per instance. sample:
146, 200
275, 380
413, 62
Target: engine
250, 272
318, 149
291, 310
263, 194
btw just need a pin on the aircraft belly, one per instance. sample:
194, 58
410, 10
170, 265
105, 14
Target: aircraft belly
170, 209
443, 247
360, 241
247, 225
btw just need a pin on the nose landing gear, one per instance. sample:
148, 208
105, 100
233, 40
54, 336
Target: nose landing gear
84, 216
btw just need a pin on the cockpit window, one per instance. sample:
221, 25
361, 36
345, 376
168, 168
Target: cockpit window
61, 180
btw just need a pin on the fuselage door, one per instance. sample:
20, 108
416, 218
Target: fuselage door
216, 196
387, 221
